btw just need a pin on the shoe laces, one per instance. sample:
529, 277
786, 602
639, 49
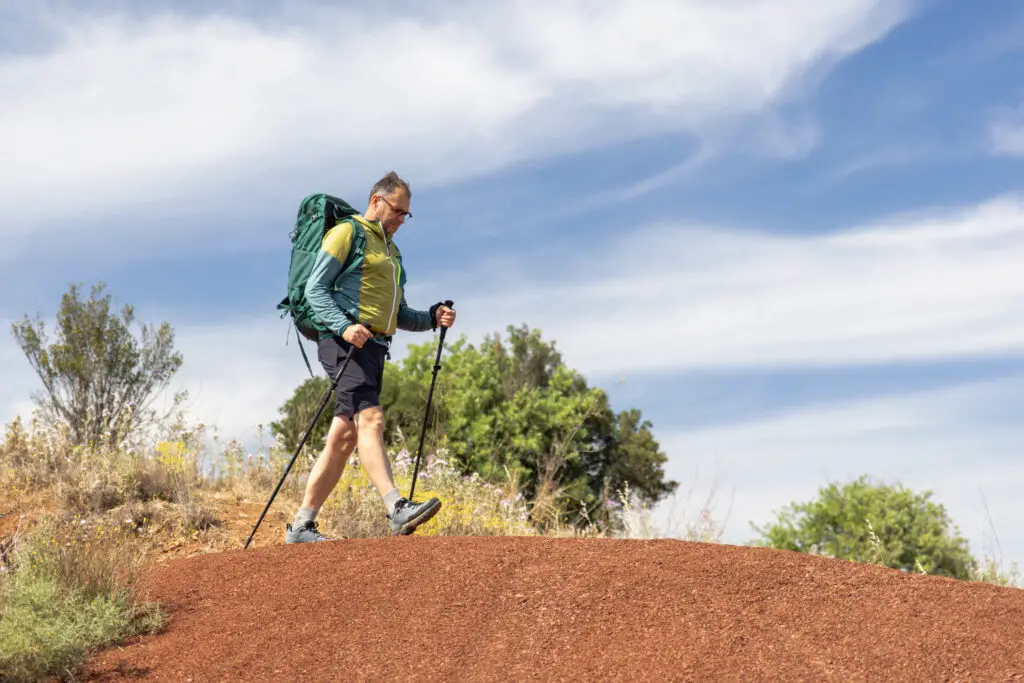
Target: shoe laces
400, 505
311, 525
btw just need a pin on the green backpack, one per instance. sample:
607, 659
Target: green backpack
317, 214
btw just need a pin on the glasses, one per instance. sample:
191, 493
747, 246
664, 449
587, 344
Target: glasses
395, 208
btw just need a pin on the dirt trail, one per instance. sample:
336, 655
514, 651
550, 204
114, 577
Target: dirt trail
502, 609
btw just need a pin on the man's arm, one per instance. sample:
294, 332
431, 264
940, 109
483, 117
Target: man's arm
326, 268
413, 320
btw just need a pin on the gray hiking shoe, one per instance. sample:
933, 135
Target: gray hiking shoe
307, 533
408, 515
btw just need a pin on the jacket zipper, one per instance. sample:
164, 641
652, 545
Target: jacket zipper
394, 274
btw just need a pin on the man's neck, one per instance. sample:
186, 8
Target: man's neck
376, 221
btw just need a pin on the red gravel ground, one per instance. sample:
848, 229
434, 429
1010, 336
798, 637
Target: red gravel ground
502, 609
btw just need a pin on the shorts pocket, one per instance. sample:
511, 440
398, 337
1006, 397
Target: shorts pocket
328, 353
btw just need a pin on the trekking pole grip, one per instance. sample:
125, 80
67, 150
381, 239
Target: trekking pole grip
450, 304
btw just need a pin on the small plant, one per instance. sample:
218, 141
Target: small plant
68, 588
877, 553
991, 571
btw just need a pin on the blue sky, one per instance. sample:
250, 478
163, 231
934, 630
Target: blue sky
790, 235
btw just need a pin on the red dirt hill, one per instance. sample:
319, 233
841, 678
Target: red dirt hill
500, 609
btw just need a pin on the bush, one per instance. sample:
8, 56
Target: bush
89, 482
876, 523
66, 590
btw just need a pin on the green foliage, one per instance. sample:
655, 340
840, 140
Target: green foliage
298, 411
65, 594
404, 398
513, 403
470, 505
97, 377
874, 523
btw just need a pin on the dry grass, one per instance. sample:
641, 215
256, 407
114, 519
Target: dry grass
69, 587
470, 506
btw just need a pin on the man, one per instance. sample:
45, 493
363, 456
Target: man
363, 308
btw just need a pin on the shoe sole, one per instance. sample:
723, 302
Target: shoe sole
289, 541
425, 516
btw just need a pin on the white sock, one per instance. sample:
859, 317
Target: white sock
390, 498
304, 515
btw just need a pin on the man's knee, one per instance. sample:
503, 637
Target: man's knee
371, 420
342, 435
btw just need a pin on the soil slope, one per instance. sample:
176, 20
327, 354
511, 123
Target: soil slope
500, 609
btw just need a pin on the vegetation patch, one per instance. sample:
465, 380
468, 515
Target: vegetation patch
69, 588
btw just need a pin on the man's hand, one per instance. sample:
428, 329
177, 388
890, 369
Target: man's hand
445, 316
357, 335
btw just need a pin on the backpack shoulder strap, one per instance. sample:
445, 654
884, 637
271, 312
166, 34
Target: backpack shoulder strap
355, 252
352, 259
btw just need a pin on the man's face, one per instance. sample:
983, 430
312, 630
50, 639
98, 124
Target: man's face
392, 210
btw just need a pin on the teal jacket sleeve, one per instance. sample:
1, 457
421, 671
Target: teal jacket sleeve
412, 320
326, 269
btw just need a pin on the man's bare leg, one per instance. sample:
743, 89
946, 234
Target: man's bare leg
366, 431
403, 515
327, 470
370, 427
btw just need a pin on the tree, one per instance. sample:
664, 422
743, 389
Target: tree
97, 377
513, 406
865, 521
513, 403
298, 411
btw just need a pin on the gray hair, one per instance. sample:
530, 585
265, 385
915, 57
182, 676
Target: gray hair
388, 184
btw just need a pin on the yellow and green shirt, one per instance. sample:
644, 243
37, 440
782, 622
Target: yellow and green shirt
371, 292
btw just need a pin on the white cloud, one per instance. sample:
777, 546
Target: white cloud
943, 441
239, 372
919, 287
136, 110
1007, 133
19, 382
890, 156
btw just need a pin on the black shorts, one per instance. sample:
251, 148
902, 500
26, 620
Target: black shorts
359, 387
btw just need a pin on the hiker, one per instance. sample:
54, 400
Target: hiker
361, 310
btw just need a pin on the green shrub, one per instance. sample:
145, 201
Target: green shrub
67, 590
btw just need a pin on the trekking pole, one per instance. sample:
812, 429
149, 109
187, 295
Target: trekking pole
302, 442
430, 395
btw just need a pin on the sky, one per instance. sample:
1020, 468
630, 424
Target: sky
789, 233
